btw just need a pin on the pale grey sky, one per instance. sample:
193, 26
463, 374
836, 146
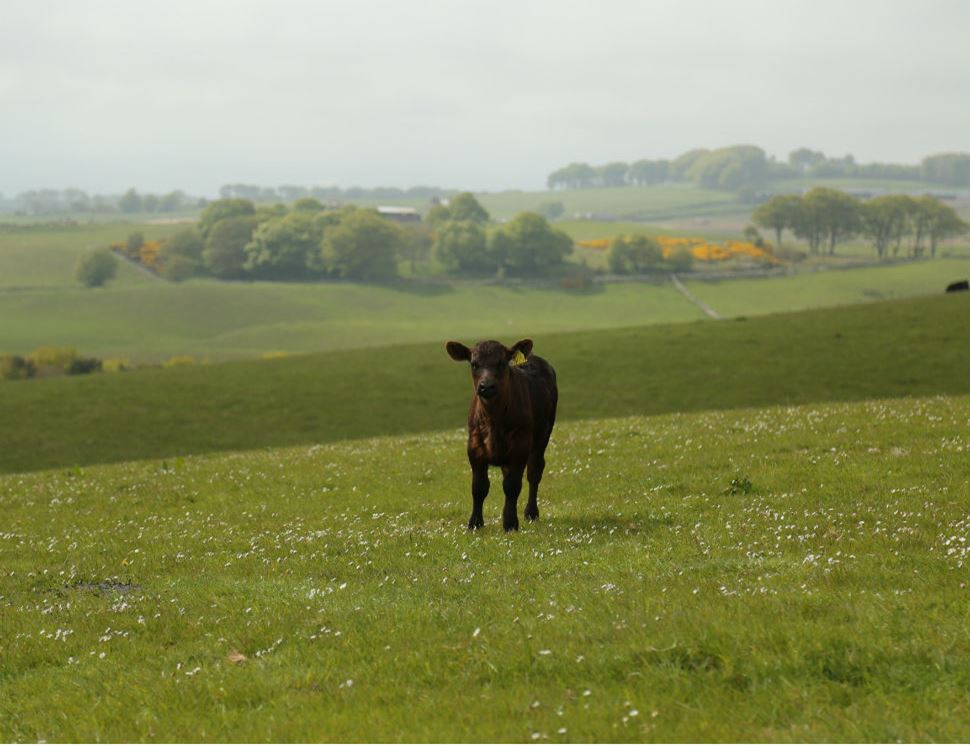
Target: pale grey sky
104, 94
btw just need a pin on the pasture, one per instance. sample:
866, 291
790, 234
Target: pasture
779, 574
144, 319
902, 348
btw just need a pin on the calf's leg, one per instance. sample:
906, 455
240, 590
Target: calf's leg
537, 462
512, 486
479, 493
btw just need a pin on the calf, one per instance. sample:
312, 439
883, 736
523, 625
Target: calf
958, 287
513, 409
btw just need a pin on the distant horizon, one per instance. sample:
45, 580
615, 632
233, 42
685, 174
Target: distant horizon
419, 185
490, 96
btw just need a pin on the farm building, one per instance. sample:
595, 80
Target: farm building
400, 214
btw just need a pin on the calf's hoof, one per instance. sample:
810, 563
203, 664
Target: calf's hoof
511, 525
532, 512
475, 523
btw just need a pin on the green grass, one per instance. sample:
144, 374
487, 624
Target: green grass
222, 320
39, 256
652, 203
741, 296
819, 598
146, 320
904, 348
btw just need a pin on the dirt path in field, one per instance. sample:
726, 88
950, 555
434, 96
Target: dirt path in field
693, 298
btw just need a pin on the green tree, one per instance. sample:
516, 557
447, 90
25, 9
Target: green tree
135, 241
777, 214
827, 215
130, 202
464, 206
573, 176
437, 215
881, 220
225, 254
461, 246
613, 174
531, 245
943, 223
804, 159
222, 209
952, 169
416, 246
644, 172
285, 248
729, 168
308, 204
180, 256
634, 255
95, 268
364, 246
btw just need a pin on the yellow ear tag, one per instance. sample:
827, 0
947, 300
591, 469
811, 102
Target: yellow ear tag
518, 358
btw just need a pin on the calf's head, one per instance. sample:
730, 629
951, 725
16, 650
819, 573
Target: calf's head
490, 362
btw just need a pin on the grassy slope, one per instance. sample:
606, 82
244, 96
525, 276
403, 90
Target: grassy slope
222, 321
648, 603
46, 257
914, 347
226, 320
636, 203
772, 295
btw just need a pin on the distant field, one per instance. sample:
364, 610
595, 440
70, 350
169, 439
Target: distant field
903, 348
742, 296
42, 257
220, 320
647, 204
784, 574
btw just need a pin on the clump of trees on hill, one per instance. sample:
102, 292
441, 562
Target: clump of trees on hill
234, 239
823, 217
745, 167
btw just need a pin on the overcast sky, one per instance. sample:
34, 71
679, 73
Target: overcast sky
478, 95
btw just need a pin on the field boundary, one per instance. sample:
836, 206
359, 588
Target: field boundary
693, 298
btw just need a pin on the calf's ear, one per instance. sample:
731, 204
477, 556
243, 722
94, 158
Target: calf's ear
458, 351
523, 345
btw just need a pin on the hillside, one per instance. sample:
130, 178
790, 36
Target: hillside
784, 574
889, 349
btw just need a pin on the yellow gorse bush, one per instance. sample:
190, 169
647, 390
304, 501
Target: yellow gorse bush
700, 248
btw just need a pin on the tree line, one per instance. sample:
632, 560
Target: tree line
59, 201
747, 166
236, 240
892, 223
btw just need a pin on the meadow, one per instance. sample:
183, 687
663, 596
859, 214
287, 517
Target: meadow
779, 574
144, 319
886, 349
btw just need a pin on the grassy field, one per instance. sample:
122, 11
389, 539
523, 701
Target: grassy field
647, 204
144, 320
742, 296
904, 348
785, 574
43, 256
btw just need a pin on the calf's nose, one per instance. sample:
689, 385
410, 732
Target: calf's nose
487, 390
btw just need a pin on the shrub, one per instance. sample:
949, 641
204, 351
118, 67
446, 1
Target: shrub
83, 365
364, 246
48, 359
177, 268
634, 255
179, 360
95, 268
115, 365
681, 261
134, 243
15, 367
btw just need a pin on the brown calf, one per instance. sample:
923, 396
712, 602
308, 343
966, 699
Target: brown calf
510, 419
